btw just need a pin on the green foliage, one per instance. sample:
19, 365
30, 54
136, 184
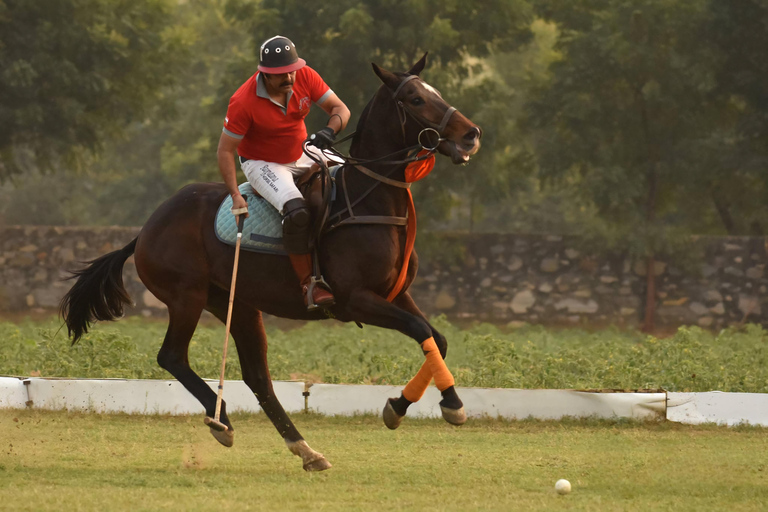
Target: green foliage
342, 38
172, 145
633, 124
482, 356
75, 72
639, 115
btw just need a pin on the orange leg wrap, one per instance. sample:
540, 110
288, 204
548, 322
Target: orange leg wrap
441, 373
416, 387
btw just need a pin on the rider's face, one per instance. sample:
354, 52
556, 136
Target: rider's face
282, 82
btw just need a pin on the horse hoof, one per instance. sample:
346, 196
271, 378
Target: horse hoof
391, 419
320, 464
311, 460
454, 416
225, 436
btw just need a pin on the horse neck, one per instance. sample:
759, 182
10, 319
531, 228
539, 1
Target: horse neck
378, 135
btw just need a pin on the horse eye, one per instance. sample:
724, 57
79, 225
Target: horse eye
417, 101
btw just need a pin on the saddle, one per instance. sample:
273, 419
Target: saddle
263, 229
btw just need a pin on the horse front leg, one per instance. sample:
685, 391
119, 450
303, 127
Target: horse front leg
247, 330
405, 301
396, 408
367, 307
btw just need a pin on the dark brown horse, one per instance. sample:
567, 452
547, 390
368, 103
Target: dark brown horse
180, 260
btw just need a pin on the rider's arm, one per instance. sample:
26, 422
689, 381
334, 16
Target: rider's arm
226, 157
338, 111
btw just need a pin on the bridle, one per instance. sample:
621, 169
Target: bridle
403, 110
417, 152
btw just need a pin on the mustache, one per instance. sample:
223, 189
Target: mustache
287, 82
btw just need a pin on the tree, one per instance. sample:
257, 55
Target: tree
341, 39
74, 72
173, 143
499, 190
737, 31
634, 90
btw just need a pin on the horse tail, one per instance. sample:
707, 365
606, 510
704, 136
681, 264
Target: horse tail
98, 293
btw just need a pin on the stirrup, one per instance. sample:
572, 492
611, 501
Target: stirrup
313, 281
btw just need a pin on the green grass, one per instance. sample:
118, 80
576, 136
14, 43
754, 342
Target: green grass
692, 359
63, 461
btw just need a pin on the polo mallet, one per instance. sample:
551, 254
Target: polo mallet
215, 422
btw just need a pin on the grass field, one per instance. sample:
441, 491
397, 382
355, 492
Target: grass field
60, 461
692, 359
66, 461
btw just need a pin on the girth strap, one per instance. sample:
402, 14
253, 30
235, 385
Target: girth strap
373, 219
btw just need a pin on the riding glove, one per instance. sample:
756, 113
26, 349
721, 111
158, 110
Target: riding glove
323, 139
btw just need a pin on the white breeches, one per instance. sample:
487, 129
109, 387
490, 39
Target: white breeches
277, 182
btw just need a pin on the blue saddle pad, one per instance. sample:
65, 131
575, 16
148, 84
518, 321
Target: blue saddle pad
263, 229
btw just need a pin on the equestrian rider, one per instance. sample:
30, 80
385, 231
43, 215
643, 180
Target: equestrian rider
265, 124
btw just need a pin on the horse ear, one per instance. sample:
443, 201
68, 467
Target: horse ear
419, 66
390, 79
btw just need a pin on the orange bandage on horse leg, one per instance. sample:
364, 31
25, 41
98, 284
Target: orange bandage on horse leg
416, 387
440, 372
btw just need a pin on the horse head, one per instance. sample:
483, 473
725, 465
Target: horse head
424, 116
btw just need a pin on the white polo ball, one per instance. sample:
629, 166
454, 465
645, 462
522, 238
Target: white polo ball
563, 486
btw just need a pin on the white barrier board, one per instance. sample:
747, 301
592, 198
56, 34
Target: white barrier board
552, 404
718, 407
170, 397
351, 399
149, 396
12, 393
346, 400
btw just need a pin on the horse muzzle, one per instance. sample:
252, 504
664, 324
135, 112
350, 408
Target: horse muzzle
460, 151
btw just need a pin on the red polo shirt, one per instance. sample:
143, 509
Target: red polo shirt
268, 131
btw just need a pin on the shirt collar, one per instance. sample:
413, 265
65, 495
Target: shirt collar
261, 92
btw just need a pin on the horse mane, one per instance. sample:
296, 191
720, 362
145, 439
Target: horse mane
366, 112
361, 121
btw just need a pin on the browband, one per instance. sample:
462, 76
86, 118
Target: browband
405, 81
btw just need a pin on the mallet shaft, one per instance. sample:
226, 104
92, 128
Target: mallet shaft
220, 394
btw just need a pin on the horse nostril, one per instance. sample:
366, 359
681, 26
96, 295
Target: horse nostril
472, 134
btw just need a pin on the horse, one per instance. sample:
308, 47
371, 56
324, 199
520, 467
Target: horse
180, 260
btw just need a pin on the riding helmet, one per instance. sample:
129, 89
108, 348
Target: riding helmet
278, 55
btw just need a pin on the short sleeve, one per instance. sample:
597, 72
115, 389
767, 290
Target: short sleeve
317, 87
237, 121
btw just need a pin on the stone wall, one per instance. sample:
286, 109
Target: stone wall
496, 278
551, 280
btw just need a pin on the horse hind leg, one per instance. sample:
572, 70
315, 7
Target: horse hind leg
184, 315
247, 329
